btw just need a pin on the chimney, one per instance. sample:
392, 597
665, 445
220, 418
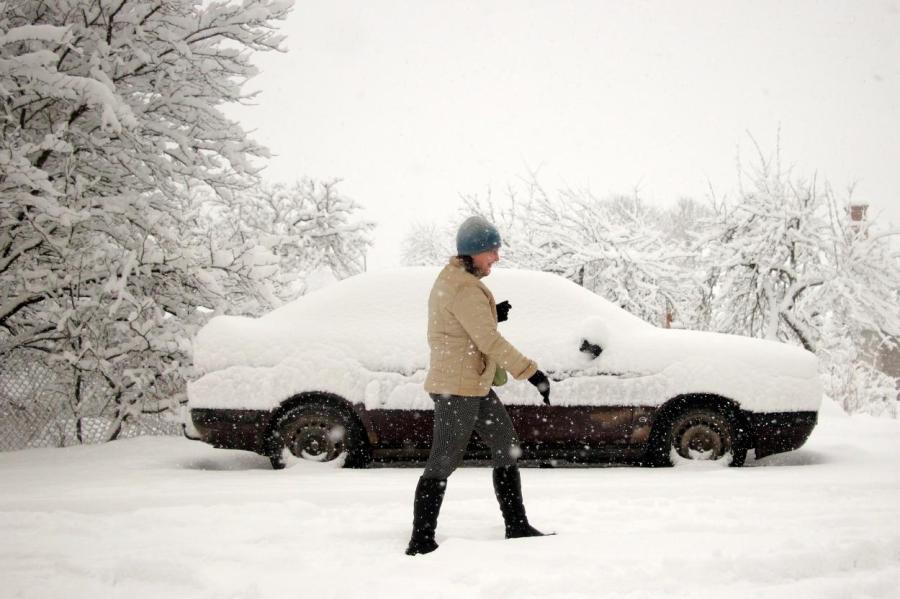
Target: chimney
858, 212
857, 216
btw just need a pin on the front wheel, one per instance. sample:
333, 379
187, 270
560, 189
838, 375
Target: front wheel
700, 434
318, 433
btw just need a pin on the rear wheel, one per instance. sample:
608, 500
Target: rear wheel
318, 433
700, 434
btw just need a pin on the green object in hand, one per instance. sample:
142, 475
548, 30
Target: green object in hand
499, 377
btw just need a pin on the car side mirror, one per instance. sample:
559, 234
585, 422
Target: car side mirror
590, 348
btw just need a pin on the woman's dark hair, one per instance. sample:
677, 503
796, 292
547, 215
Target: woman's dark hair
468, 264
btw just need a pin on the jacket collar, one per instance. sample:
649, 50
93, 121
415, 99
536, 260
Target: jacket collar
455, 262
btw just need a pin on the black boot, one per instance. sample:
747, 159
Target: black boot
426, 507
508, 487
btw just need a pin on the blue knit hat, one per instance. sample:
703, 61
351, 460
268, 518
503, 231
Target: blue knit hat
476, 235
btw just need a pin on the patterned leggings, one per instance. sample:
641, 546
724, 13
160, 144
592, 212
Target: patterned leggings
455, 417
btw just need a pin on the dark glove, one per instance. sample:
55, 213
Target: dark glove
503, 310
540, 380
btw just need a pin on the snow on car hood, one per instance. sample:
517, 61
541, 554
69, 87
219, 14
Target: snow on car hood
652, 349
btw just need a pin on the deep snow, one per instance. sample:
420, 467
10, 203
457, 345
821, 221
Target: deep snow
168, 517
364, 339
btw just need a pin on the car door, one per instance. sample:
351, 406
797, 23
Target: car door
571, 423
402, 432
591, 426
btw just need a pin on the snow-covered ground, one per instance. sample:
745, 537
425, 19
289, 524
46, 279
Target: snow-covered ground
168, 517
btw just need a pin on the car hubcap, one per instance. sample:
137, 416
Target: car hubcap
319, 440
699, 440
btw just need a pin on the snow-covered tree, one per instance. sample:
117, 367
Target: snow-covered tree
427, 244
683, 221
287, 238
786, 257
109, 111
640, 257
787, 264
614, 247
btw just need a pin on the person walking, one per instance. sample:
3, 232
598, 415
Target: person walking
468, 356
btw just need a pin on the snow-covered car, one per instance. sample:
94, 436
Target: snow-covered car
339, 373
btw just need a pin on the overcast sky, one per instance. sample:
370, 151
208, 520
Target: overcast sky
414, 103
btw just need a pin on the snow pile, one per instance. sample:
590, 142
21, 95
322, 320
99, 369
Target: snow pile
364, 339
377, 319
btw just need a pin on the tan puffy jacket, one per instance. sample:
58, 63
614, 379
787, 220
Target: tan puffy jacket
462, 334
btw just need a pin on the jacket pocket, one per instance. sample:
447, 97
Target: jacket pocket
482, 364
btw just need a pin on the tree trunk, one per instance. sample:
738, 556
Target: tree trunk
77, 408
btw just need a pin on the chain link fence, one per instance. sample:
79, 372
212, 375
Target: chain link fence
38, 407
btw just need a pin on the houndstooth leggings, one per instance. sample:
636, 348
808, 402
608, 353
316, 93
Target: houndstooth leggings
455, 417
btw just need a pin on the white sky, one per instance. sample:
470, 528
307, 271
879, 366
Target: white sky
413, 103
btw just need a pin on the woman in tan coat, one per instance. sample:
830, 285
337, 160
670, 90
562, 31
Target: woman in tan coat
467, 355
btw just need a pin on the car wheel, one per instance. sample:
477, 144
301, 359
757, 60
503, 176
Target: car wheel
701, 434
317, 433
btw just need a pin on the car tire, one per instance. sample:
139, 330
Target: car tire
699, 433
319, 433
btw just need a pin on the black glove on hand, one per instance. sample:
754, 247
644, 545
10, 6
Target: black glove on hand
503, 310
540, 380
